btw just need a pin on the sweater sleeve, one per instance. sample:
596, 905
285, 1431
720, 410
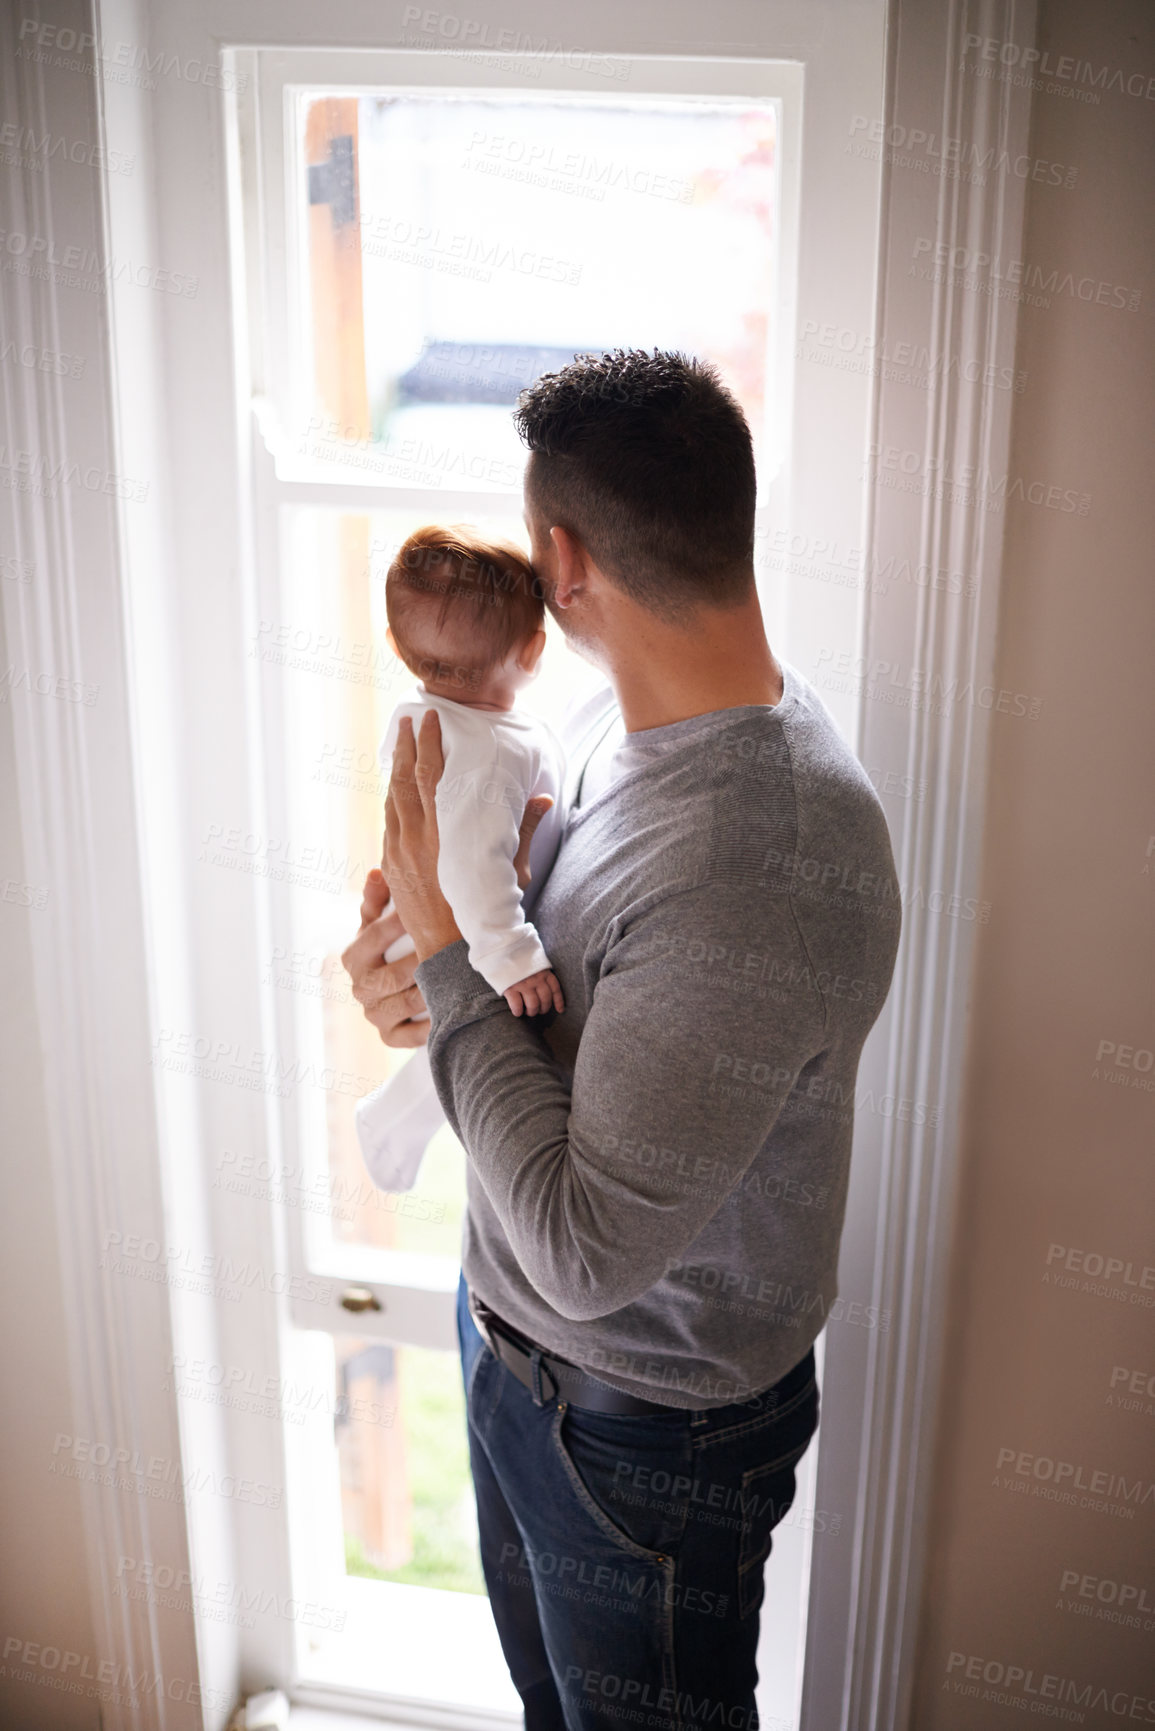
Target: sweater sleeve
602, 1180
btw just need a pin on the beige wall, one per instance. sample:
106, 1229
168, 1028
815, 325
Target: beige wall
1054, 1152
44, 1568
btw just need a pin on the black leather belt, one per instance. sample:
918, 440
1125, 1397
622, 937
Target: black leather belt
548, 1377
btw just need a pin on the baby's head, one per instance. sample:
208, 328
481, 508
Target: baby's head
465, 614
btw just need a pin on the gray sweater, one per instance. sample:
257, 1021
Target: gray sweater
657, 1183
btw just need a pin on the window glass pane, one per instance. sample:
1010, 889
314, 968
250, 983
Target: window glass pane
407, 1505
476, 241
387, 1577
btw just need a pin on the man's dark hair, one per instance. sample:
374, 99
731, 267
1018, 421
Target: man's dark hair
647, 459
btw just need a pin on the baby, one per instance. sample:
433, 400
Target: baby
466, 616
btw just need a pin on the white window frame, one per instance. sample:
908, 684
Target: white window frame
170, 601
416, 1295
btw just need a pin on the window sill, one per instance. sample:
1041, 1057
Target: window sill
305, 1718
389, 1662
326, 1719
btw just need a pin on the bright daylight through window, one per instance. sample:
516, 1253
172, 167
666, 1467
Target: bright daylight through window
500, 236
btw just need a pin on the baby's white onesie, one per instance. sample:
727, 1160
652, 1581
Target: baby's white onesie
495, 761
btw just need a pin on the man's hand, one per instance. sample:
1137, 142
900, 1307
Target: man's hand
386, 991
536, 994
412, 844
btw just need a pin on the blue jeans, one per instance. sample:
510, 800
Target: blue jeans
624, 1555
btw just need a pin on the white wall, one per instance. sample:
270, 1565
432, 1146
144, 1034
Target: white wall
86, 1348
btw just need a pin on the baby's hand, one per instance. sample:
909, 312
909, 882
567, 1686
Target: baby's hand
535, 994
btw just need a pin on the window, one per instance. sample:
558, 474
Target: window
416, 243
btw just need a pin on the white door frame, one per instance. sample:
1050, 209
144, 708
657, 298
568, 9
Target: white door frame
881, 1390
113, 965
825, 494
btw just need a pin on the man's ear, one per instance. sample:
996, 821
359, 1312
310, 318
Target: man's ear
530, 652
392, 642
571, 563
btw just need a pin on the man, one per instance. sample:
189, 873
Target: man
656, 1180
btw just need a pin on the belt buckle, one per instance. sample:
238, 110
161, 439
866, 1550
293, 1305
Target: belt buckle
536, 1369
481, 1315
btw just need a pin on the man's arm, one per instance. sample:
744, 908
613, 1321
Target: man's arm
602, 1184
